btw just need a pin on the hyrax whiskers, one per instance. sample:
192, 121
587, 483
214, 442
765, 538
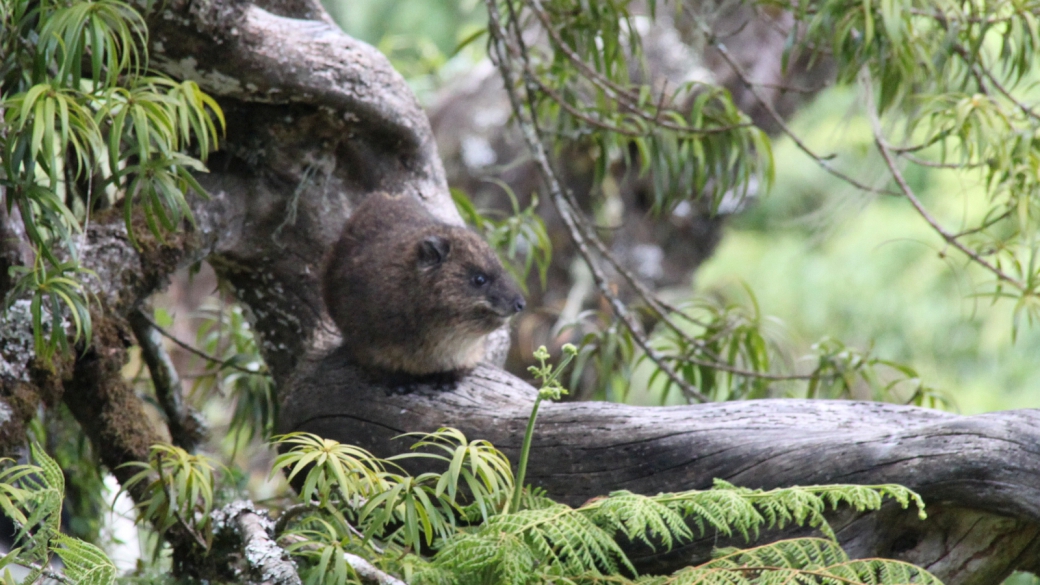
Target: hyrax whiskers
412, 294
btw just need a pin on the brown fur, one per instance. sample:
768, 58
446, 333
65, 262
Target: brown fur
404, 289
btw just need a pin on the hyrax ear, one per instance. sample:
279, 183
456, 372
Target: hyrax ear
433, 250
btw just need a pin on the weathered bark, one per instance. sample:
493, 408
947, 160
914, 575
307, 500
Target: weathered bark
980, 474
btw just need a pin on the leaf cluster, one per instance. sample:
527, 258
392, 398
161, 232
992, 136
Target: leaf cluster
176, 488
238, 371
591, 87
85, 125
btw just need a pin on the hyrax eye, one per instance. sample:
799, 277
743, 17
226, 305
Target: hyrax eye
479, 279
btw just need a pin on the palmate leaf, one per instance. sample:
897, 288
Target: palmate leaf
72, 75
411, 502
52, 289
330, 468
49, 120
476, 465
179, 486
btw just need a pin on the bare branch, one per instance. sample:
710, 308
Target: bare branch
261, 552
184, 422
197, 352
369, 573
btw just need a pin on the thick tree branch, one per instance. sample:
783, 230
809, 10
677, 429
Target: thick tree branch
266, 560
985, 467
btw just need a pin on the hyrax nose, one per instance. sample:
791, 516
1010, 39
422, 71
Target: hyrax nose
519, 304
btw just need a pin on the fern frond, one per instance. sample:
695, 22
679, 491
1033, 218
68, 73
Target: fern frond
803, 561
557, 534
85, 564
489, 558
728, 508
640, 518
32, 496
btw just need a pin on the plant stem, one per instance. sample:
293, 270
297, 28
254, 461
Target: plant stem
525, 450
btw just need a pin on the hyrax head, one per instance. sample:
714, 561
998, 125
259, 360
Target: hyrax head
468, 287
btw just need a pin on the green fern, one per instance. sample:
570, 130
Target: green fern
361, 507
808, 561
558, 535
32, 495
85, 564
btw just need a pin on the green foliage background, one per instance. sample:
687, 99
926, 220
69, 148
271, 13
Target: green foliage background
829, 261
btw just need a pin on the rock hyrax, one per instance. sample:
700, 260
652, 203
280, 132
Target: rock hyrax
414, 295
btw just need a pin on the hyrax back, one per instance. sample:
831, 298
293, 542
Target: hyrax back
412, 294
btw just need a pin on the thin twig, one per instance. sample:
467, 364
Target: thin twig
47, 572
199, 352
739, 71
937, 165
1007, 93
292, 512
945, 18
950, 238
783, 87
596, 122
368, 572
986, 225
538, 152
185, 425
